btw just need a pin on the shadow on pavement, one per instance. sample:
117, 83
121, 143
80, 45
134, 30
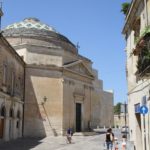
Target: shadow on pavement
85, 133
20, 144
101, 132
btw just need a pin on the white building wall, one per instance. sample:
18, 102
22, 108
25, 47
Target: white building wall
137, 89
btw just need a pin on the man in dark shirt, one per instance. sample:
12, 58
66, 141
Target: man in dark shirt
109, 139
69, 134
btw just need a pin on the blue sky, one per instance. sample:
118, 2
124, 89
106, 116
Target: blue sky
95, 24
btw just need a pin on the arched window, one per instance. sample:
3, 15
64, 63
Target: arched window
18, 114
18, 119
11, 113
3, 111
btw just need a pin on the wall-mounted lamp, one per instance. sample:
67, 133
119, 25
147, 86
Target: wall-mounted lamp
44, 100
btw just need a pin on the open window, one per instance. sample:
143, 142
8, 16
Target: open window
18, 119
136, 28
4, 73
143, 63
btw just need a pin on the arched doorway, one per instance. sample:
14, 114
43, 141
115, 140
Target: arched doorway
18, 120
11, 122
19, 123
2, 119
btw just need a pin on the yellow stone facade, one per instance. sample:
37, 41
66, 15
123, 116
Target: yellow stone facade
11, 92
61, 88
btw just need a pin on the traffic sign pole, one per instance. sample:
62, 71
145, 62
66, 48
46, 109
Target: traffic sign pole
144, 110
144, 131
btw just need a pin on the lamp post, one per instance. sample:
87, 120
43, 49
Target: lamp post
146, 12
47, 115
44, 100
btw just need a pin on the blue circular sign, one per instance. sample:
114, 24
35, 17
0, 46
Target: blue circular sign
143, 110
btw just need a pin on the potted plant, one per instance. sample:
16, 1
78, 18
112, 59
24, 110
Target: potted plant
125, 8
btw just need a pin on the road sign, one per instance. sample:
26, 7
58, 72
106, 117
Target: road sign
143, 110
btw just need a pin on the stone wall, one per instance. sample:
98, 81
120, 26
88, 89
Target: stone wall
11, 92
43, 103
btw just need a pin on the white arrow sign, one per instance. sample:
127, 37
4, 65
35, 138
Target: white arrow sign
143, 110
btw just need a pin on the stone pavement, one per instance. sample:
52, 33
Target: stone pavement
79, 142
93, 142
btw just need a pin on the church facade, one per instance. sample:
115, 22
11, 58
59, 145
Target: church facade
60, 88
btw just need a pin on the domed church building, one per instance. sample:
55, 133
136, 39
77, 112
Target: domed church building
61, 88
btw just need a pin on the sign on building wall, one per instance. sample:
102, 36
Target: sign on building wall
144, 101
124, 107
137, 108
143, 110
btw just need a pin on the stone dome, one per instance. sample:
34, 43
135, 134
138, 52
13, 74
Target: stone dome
33, 28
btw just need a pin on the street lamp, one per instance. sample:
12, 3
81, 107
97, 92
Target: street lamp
44, 100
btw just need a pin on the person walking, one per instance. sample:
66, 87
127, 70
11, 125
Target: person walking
69, 135
109, 139
124, 139
116, 144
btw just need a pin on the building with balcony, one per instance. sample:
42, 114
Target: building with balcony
137, 35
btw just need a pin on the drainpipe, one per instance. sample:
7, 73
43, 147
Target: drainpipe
90, 124
146, 12
23, 100
148, 128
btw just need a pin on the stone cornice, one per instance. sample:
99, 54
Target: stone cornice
73, 82
78, 97
10, 98
22, 45
48, 67
84, 58
79, 74
131, 15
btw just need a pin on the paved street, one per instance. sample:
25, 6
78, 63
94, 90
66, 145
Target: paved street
92, 142
56, 143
